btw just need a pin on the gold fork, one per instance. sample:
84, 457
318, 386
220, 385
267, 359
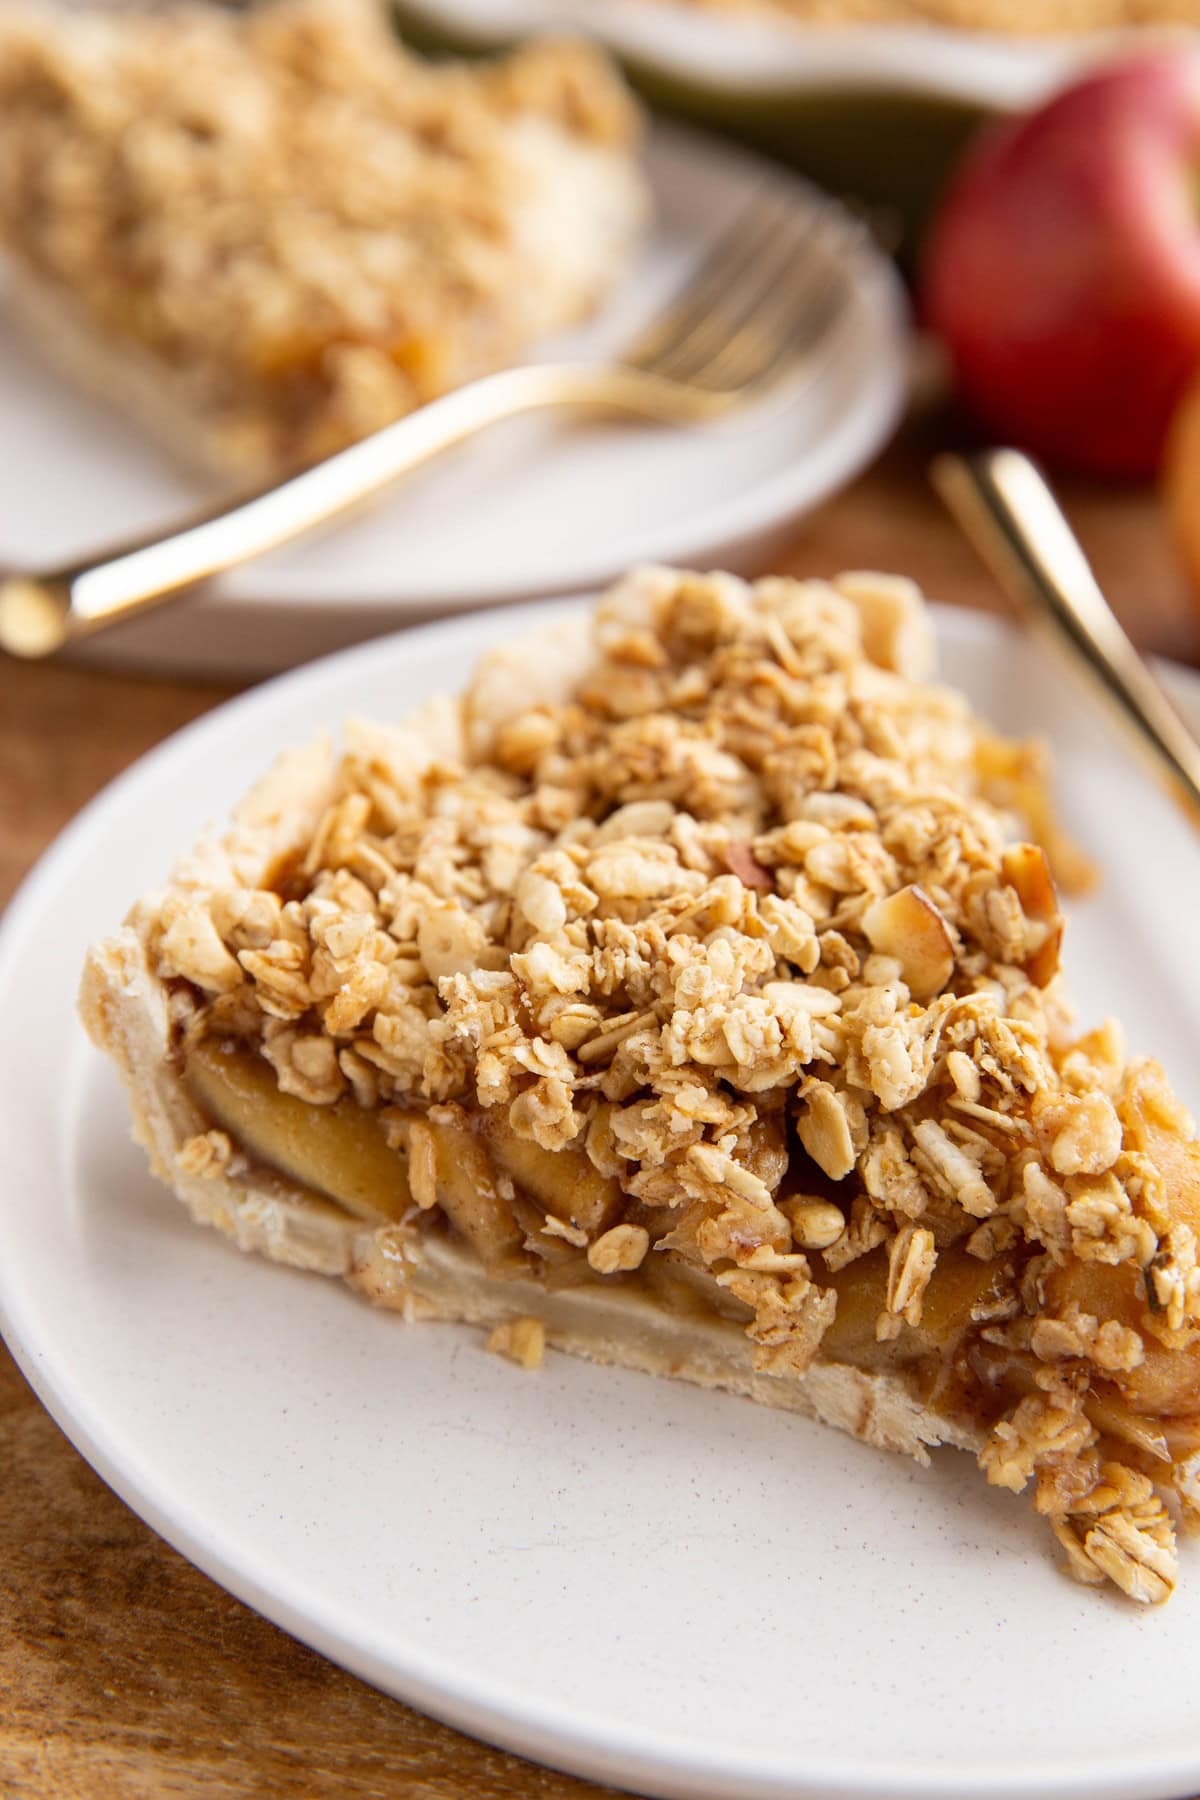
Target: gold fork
1005, 507
764, 301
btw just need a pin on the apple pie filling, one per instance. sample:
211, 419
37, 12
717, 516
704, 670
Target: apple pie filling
704, 961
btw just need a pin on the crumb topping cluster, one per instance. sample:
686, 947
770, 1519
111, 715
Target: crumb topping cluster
312, 229
738, 934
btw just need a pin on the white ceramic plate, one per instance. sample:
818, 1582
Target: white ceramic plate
745, 53
667, 1589
537, 507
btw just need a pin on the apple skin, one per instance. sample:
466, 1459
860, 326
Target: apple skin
1063, 267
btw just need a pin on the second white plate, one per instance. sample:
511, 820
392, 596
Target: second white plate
663, 1588
536, 507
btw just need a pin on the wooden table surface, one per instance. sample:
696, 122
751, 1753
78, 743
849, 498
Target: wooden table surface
123, 1671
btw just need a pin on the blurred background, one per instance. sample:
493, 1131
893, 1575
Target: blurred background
224, 256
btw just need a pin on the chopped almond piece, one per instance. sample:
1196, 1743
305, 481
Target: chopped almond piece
908, 926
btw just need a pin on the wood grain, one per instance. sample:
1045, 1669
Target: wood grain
124, 1673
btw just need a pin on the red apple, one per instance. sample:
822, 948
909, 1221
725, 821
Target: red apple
1063, 267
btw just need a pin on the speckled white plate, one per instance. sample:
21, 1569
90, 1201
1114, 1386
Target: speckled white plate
540, 505
666, 1589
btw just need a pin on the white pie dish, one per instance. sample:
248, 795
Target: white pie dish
628, 1578
743, 53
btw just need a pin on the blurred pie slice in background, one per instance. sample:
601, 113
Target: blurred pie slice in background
271, 233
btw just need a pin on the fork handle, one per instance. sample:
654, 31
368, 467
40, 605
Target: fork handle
39, 612
1006, 509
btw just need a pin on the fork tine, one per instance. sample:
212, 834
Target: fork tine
771, 357
754, 226
745, 304
761, 305
708, 337
785, 327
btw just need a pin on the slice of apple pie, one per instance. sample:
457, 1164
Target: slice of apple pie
682, 998
270, 232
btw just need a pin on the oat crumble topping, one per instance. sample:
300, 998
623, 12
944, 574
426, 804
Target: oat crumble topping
738, 937
207, 1155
